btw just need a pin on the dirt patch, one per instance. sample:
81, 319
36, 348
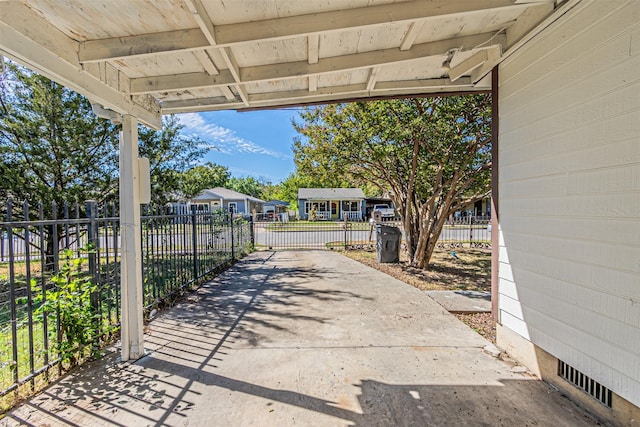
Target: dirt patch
482, 323
449, 270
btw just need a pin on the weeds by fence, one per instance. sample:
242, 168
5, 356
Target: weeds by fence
37, 248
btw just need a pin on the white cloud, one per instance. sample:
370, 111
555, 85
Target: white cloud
223, 139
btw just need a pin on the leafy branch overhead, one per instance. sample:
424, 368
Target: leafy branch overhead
432, 156
56, 149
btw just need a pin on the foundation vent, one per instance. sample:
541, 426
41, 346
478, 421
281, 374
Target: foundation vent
585, 383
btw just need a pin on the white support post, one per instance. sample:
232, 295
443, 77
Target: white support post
131, 334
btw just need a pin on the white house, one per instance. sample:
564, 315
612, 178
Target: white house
568, 265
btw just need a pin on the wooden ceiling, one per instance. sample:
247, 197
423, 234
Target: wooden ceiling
148, 58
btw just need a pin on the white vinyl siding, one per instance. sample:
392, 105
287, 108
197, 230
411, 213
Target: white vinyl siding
570, 192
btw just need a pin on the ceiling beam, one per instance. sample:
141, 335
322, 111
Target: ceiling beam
206, 26
364, 59
272, 29
328, 94
346, 19
371, 80
299, 69
227, 93
178, 82
202, 18
313, 83
494, 56
142, 45
411, 34
313, 49
235, 72
30, 40
463, 82
200, 104
466, 66
528, 19
207, 62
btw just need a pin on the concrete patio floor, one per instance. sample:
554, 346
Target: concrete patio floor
306, 339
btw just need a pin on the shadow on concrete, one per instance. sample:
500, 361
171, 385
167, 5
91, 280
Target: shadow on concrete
475, 294
138, 399
181, 381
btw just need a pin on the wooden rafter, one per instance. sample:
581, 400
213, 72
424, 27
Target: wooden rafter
345, 92
303, 68
273, 29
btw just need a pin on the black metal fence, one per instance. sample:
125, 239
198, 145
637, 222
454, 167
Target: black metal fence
36, 244
470, 231
327, 235
474, 232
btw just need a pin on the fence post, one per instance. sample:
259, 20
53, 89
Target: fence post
92, 238
346, 225
2, 245
12, 293
471, 231
233, 255
92, 241
27, 260
194, 243
252, 231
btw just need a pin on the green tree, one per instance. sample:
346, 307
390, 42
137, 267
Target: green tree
287, 190
53, 147
196, 179
170, 155
247, 185
432, 156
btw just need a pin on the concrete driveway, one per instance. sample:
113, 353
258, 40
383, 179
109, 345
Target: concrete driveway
303, 339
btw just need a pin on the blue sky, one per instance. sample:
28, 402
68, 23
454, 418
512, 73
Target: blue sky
256, 143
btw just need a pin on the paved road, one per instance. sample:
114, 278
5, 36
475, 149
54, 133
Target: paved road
306, 338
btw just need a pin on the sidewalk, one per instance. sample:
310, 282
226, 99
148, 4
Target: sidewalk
306, 339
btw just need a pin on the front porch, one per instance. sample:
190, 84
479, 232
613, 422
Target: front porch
333, 210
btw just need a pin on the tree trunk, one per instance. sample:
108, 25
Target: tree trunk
428, 238
52, 244
49, 259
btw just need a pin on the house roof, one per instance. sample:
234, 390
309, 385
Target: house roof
330, 193
277, 203
150, 58
226, 194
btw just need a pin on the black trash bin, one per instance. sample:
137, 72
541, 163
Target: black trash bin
388, 243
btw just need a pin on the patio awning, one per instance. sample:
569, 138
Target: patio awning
170, 56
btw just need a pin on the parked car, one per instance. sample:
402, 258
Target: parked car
384, 211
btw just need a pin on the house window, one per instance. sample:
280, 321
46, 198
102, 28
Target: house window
350, 206
233, 207
308, 206
320, 206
